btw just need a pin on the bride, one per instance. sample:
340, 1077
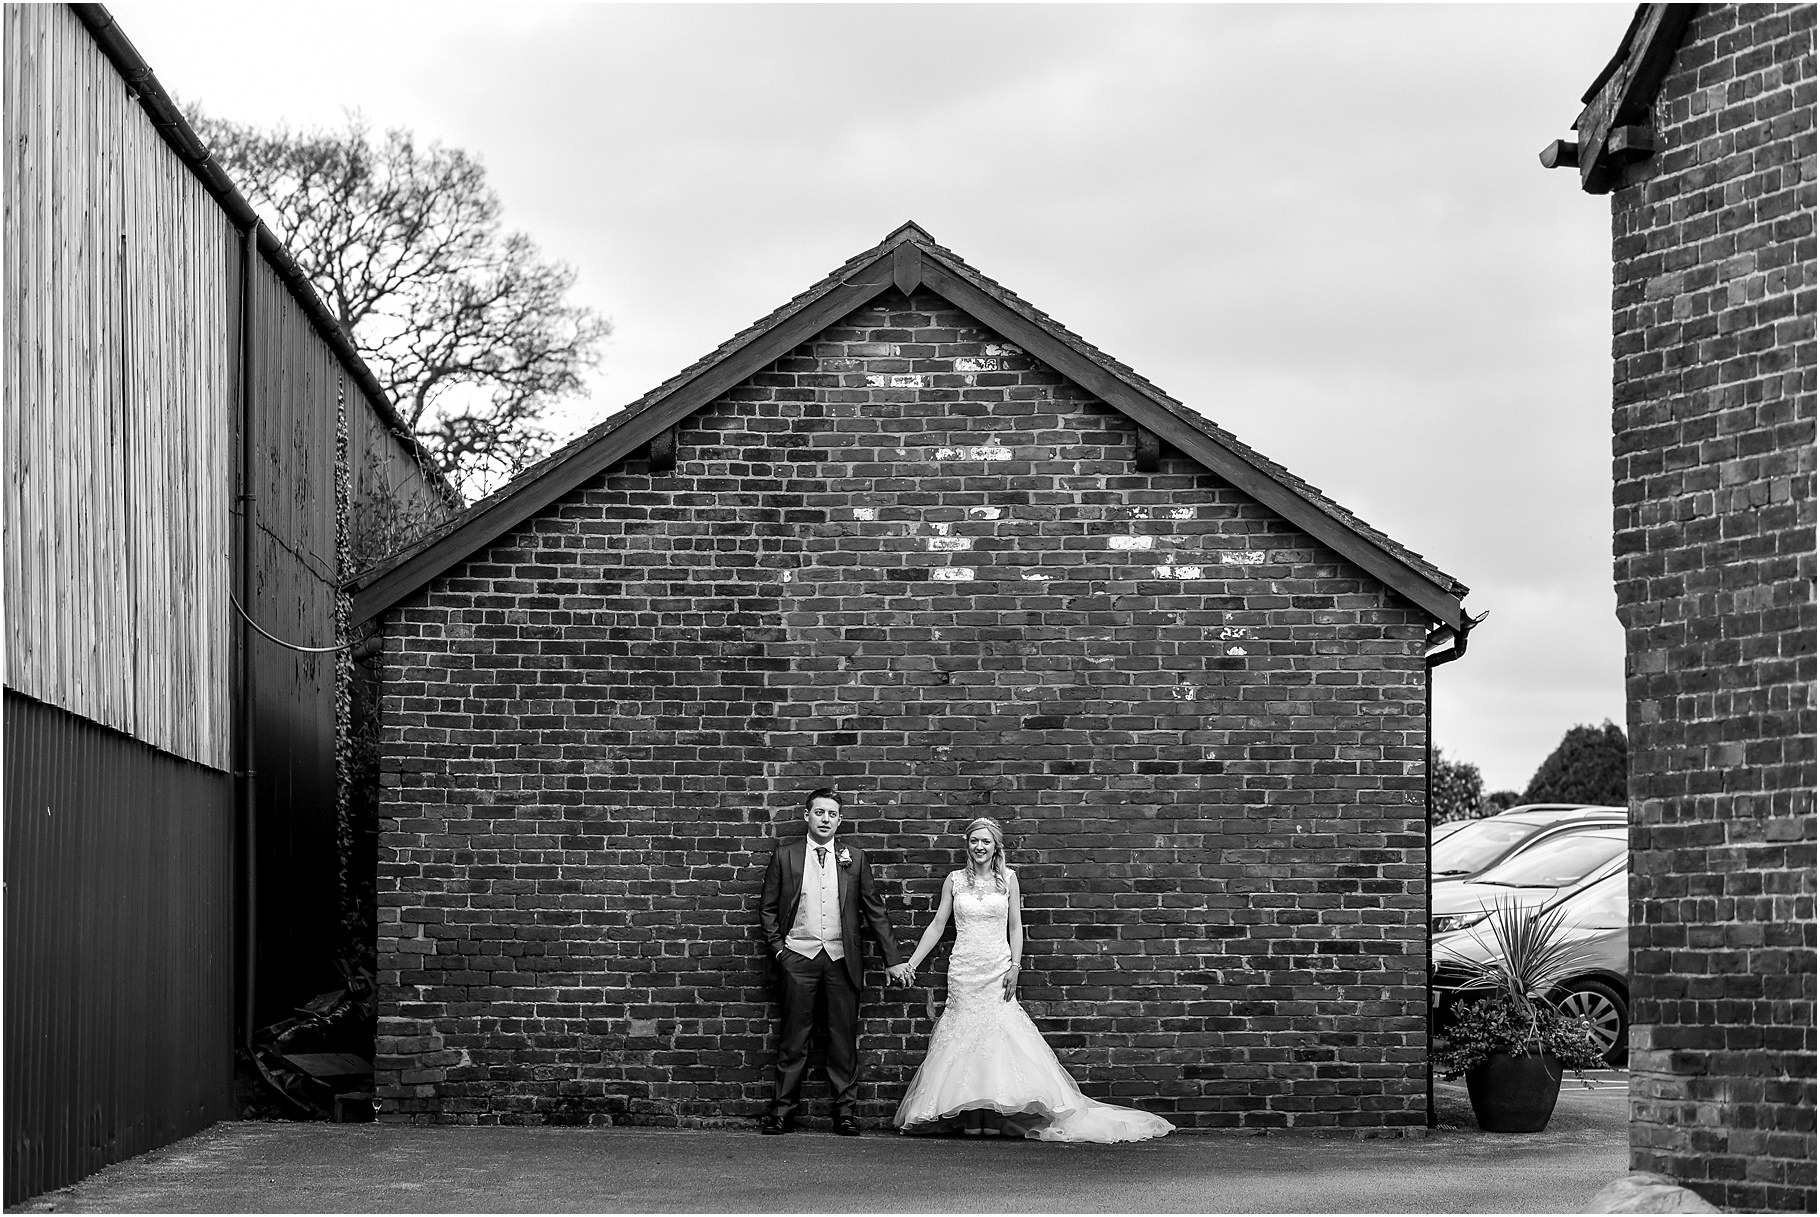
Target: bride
987, 1068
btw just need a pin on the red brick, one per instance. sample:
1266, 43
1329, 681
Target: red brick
594, 730
1714, 381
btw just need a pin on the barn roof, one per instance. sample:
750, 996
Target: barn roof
906, 259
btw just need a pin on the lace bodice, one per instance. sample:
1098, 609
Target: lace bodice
982, 917
982, 947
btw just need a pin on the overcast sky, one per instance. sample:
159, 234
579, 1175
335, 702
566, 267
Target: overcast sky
1323, 226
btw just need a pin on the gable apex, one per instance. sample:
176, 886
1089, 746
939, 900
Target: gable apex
908, 231
907, 259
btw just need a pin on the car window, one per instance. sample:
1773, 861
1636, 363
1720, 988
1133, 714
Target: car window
1555, 863
1605, 903
1476, 845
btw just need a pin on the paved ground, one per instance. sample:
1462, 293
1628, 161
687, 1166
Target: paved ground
270, 1167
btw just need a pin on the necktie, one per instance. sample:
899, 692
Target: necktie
821, 855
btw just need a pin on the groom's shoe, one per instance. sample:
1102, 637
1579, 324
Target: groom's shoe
846, 1126
771, 1126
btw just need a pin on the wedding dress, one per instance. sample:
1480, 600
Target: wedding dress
986, 1056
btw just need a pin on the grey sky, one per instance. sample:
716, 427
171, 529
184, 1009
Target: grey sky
1324, 226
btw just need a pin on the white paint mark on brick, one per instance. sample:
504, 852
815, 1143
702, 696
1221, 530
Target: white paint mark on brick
949, 545
1037, 577
1185, 692
941, 529
1128, 542
984, 453
953, 574
865, 513
1235, 631
908, 380
1242, 557
1002, 348
1179, 572
967, 364
875, 382
787, 577
1181, 513
1235, 650
985, 513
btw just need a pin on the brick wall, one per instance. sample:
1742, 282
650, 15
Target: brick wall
1713, 246
908, 561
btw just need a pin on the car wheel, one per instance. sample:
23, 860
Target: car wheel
1605, 1011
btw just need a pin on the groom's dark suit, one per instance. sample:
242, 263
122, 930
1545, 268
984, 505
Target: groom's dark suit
804, 979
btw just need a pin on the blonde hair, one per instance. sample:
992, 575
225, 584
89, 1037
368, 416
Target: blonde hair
998, 850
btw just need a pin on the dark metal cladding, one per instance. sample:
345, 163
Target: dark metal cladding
119, 979
297, 914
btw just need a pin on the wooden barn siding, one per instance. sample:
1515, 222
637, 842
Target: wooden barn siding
119, 942
119, 332
122, 279
390, 489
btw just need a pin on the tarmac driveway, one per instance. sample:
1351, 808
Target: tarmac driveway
271, 1167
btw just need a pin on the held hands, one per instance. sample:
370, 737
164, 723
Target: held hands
902, 974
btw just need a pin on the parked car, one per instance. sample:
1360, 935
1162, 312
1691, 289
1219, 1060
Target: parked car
1529, 877
1481, 844
1440, 832
1596, 914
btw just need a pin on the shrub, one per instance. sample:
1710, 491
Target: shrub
1501, 1023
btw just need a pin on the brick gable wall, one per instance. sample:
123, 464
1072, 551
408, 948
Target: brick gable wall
908, 561
1713, 300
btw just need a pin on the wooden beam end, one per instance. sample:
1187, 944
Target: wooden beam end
663, 451
1148, 450
1562, 154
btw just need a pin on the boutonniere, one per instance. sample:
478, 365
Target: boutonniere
843, 857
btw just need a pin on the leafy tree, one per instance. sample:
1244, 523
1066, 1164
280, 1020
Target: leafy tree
1590, 765
1457, 788
1501, 800
467, 327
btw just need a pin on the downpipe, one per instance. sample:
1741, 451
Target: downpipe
247, 772
1444, 644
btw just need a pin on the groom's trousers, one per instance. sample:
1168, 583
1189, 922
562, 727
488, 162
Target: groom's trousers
804, 980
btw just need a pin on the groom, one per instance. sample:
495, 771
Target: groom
815, 895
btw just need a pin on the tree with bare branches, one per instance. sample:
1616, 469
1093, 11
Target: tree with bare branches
465, 325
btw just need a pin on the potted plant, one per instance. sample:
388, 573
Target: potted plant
1512, 1045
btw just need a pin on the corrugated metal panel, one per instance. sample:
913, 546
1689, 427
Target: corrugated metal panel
120, 302
119, 981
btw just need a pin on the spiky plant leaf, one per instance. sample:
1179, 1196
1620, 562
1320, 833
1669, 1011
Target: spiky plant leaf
1531, 956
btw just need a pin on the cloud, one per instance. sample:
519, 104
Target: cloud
1324, 226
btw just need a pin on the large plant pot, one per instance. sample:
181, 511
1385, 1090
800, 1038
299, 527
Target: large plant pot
1514, 1093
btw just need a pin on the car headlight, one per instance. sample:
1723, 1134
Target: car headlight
1455, 921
